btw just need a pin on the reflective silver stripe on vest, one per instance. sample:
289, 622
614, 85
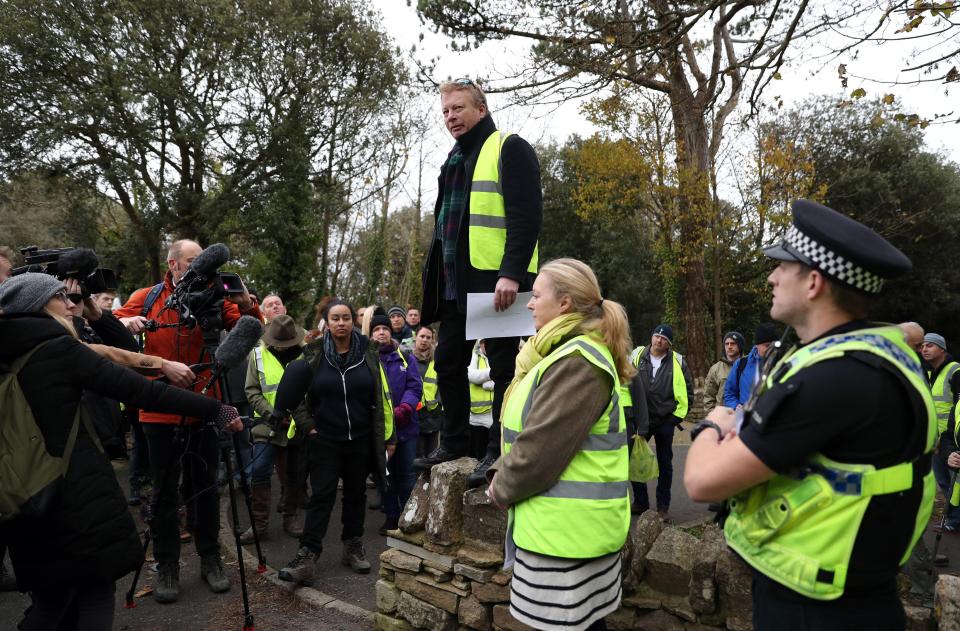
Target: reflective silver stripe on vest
944, 396
476, 405
429, 380
269, 387
488, 221
485, 186
567, 489
593, 442
430, 404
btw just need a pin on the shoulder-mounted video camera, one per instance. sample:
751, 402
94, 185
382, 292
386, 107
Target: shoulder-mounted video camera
80, 264
198, 295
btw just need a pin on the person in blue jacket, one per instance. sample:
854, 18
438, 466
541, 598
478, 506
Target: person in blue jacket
406, 389
744, 371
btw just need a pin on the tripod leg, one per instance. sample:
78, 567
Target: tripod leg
235, 514
245, 487
129, 602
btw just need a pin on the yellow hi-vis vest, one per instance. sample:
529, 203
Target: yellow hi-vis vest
680, 394
481, 400
270, 371
385, 401
586, 514
430, 399
943, 395
488, 217
799, 529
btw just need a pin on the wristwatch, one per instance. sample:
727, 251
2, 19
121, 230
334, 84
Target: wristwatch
702, 425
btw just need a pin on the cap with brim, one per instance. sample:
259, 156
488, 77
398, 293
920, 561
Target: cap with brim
283, 332
841, 248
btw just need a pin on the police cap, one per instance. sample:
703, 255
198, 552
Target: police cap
842, 249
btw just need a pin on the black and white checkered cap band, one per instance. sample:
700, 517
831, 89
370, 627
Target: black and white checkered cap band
832, 264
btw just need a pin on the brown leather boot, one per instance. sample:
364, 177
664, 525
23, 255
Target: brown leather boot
260, 505
291, 501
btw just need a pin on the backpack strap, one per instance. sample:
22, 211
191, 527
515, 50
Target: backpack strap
151, 299
15, 369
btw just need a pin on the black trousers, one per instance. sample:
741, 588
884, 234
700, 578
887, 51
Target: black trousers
86, 608
774, 609
197, 454
327, 462
451, 360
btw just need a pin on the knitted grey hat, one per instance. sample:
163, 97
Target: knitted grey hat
936, 339
28, 292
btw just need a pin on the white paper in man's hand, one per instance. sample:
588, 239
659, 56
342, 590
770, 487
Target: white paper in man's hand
483, 322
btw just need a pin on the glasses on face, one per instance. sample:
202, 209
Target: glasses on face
62, 295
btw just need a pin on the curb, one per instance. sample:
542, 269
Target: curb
304, 594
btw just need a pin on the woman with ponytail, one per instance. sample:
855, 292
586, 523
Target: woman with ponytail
564, 469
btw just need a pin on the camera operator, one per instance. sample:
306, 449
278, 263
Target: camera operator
182, 344
69, 555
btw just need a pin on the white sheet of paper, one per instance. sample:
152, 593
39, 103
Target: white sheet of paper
483, 322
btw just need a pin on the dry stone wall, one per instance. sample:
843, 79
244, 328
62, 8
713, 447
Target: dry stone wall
443, 571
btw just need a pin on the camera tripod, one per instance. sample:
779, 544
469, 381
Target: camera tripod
218, 378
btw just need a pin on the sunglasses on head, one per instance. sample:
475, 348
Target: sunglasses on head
464, 81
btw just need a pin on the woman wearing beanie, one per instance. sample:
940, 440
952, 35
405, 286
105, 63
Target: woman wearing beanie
406, 388
349, 429
564, 469
69, 556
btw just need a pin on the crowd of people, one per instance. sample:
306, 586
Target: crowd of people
823, 460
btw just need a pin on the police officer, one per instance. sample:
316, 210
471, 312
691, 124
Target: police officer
828, 476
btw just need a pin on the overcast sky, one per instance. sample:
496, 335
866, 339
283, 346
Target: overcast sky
800, 80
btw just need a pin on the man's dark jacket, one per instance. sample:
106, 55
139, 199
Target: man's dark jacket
523, 201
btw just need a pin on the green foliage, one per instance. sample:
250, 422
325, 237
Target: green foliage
883, 176
620, 253
205, 119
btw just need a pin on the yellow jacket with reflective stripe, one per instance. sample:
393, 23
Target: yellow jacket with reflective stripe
488, 218
586, 513
680, 394
481, 399
430, 399
943, 395
800, 529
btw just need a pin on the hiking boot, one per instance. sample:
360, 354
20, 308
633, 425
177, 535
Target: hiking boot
167, 588
355, 556
8, 580
301, 568
211, 571
435, 457
479, 475
291, 527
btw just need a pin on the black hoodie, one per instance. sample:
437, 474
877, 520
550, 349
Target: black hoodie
89, 536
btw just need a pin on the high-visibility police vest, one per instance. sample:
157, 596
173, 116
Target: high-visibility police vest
586, 514
680, 394
270, 371
799, 529
488, 217
481, 400
430, 399
943, 395
385, 402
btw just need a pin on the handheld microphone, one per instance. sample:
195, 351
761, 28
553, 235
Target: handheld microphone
235, 348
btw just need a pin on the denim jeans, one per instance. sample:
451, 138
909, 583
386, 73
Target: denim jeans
400, 478
943, 475
661, 430
260, 468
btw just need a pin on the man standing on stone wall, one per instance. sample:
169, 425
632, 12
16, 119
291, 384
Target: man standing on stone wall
488, 213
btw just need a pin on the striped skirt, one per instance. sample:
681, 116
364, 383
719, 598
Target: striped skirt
555, 593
